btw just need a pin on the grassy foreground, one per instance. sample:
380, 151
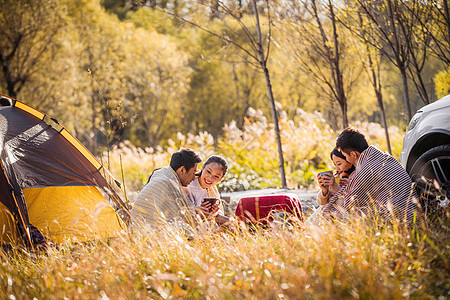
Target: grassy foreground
334, 261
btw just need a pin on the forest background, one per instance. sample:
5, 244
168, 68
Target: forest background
136, 80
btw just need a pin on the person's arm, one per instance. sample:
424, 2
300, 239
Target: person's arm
344, 179
335, 187
222, 220
214, 212
205, 211
327, 183
322, 198
355, 194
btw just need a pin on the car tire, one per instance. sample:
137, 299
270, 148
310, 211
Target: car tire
431, 173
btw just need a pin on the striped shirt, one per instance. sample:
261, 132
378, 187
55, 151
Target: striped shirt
378, 185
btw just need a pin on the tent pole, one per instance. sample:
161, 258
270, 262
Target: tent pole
18, 209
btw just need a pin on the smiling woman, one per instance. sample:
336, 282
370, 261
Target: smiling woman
203, 189
210, 175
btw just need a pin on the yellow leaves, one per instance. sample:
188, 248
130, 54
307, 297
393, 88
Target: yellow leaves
177, 291
442, 82
240, 285
329, 45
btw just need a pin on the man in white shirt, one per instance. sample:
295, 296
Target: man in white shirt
163, 199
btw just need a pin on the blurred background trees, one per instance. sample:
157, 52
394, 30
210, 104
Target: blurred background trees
117, 70
28, 41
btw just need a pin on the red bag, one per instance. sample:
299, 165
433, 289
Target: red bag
258, 208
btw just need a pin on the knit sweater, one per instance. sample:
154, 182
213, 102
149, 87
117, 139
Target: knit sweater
163, 201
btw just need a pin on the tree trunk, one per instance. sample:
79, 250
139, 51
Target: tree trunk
420, 86
11, 91
376, 84
400, 63
10, 84
383, 117
406, 94
343, 106
94, 128
447, 19
335, 65
277, 128
262, 62
416, 75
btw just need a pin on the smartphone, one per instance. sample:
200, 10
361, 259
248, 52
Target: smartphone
210, 200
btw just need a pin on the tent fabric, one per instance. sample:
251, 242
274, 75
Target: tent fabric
40, 156
45, 166
89, 216
14, 201
6, 191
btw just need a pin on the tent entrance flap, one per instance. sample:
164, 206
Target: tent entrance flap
75, 212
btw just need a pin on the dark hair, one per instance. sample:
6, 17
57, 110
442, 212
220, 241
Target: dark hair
186, 158
150, 177
337, 153
351, 139
217, 159
5, 101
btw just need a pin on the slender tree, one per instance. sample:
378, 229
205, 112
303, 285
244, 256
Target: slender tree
391, 35
373, 69
436, 24
418, 43
431, 38
354, 21
320, 48
250, 41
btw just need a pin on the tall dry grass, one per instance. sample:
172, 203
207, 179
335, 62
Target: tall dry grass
334, 261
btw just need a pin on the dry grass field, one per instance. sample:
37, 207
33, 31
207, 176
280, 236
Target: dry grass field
291, 261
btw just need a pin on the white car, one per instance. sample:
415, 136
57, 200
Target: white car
426, 151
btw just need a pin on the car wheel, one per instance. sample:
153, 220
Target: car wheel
431, 173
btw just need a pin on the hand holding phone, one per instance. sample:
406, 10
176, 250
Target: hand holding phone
211, 202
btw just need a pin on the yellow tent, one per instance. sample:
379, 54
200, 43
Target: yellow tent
50, 184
